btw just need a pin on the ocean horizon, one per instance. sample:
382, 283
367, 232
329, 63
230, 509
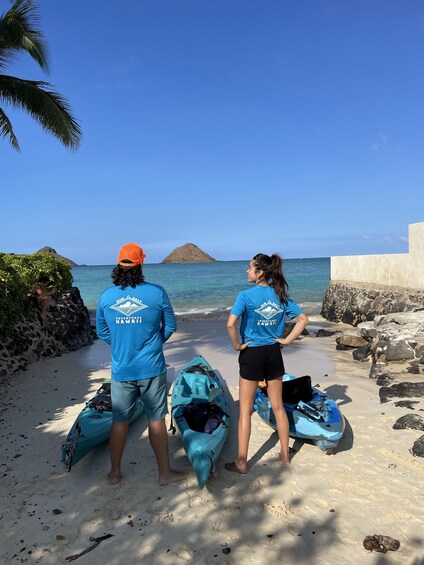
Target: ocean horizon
208, 290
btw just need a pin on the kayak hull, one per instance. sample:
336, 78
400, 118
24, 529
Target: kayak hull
197, 388
92, 427
318, 419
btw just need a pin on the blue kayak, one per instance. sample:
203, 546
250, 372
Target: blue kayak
92, 427
200, 411
312, 414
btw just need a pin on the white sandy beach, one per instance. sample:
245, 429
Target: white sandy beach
317, 510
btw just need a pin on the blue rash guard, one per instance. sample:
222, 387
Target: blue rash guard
135, 322
262, 315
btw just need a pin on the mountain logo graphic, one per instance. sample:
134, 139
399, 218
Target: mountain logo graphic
128, 306
268, 310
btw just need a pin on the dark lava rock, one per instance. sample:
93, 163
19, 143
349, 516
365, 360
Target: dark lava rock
362, 353
401, 390
418, 447
385, 379
324, 333
381, 544
409, 422
414, 368
406, 404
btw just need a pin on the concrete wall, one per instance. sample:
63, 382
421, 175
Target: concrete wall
403, 269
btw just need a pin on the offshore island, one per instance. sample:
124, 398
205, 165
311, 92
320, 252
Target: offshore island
188, 253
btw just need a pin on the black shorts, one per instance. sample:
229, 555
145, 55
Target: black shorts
261, 363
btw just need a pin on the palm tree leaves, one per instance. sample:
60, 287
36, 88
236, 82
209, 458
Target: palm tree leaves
19, 33
50, 109
6, 130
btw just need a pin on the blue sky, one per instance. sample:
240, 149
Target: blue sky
290, 126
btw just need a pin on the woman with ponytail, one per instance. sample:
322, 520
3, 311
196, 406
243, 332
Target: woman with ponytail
262, 310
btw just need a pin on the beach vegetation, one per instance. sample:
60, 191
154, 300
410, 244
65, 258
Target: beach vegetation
18, 273
20, 33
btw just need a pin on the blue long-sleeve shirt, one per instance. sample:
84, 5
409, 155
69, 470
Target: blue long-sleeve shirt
135, 322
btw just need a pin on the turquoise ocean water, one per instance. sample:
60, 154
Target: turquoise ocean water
199, 290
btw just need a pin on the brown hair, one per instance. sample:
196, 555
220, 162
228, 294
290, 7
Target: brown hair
272, 268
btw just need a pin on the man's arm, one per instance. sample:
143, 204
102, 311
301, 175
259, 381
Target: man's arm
169, 324
102, 327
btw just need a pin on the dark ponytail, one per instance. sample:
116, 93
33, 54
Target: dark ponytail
273, 273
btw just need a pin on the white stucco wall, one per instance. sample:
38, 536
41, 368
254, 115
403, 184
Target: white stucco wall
403, 269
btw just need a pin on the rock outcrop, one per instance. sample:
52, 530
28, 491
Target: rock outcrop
66, 328
418, 447
409, 422
188, 253
53, 252
353, 303
395, 337
394, 344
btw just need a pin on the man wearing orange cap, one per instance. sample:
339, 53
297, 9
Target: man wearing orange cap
136, 318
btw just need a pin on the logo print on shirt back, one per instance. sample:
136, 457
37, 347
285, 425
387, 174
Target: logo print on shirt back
268, 310
128, 306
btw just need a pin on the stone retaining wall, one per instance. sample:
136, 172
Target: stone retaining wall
67, 328
353, 303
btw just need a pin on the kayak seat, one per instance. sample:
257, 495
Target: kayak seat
297, 390
294, 390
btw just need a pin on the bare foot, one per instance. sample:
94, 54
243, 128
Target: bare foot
114, 479
284, 458
173, 477
235, 468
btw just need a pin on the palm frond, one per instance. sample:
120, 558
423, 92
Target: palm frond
19, 32
50, 109
6, 130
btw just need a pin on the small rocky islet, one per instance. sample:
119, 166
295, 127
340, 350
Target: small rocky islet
51, 251
188, 253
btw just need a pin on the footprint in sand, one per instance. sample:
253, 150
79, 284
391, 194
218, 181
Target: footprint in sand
279, 510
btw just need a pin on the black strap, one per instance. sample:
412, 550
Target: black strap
219, 414
198, 369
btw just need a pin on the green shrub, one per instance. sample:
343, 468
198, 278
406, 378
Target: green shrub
18, 273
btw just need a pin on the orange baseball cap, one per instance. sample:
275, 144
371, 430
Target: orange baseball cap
130, 255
